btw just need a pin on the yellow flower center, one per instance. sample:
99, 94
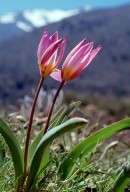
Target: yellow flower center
67, 73
46, 70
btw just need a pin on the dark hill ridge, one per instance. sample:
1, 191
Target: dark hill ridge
108, 73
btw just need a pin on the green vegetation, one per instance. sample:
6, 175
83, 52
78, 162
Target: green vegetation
100, 167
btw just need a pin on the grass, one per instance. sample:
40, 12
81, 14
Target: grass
101, 167
6, 169
102, 164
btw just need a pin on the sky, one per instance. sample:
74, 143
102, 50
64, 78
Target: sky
19, 5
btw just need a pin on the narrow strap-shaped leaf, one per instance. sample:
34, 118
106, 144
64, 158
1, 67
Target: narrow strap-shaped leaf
14, 148
40, 134
46, 140
87, 145
45, 159
33, 146
55, 117
65, 113
55, 121
122, 180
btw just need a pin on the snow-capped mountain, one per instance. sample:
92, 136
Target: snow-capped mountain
19, 71
13, 23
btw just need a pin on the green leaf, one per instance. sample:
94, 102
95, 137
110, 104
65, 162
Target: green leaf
40, 134
46, 140
55, 117
83, 148
55, 121
14, 148
32, 149
64, 113
45, 159
122, 180
34, 145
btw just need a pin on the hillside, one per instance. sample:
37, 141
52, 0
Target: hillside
14, 24
108, 73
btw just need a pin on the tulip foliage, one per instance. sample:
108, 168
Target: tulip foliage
31, 162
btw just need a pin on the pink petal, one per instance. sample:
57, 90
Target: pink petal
86, 62
74, 65
53, 57
50, 51
56, 75
88, 59
53, 38
62, 50
75, 61
43, 45
73, 52
94, 53
51, 60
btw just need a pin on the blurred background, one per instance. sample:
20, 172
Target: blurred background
106, 22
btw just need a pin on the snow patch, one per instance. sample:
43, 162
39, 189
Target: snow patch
41, 17
88, 8
24, 26
30, 19
8, 18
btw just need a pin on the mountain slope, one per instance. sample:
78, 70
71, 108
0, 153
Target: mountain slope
14, 24
108, 73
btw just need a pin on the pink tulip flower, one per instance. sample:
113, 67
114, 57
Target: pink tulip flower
48, 51
77, 60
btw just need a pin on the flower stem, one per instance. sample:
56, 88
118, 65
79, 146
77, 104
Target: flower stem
52, 106
30, 124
